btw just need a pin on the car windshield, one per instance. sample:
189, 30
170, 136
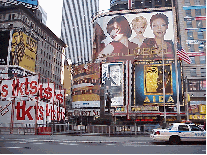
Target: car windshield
195, 128
169, 127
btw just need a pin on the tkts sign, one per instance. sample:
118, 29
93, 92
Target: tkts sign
28, 96
28, 88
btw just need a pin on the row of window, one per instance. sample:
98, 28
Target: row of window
54, 52
202, 59
48, 74
33, 26
48, 56
194, 74
44, 80
196, 85
196, 2
50, 66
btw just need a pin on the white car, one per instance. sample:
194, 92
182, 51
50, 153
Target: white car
178, 132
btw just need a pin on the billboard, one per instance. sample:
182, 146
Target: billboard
23, 51
86, 85
28, 3
148, 83
113, 80
4, 40
141, 35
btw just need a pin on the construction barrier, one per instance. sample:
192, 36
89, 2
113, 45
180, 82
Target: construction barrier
44, 130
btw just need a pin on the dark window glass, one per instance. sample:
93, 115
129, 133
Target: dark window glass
189, 24
183, 128
199, 23
200, 35
193, 72
192, 60
188, 12
198, 12
190, 35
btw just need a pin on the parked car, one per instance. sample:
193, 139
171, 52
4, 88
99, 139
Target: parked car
178, 132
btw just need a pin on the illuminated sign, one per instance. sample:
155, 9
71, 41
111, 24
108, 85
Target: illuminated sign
148, 83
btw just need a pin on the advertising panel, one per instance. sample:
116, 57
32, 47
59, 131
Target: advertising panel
86, 85
24, 112
28, 3
23, 51
4, 43
113, 81
5, 113
139, 35
149, 83
18, 71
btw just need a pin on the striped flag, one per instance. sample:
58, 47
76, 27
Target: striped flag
182, 54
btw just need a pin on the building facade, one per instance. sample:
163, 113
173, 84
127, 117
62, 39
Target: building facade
49, 50
192, 24
77, 29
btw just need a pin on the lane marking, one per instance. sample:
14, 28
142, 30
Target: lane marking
110, 144
38, 143
13, 147
22, 142
203, 150
73, 144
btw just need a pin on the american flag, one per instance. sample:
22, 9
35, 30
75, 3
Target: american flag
182, 54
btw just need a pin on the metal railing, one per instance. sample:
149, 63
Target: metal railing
78, 129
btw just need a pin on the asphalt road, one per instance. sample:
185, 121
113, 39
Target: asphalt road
62, 144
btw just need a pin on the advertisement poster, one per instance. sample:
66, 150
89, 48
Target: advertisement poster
23, 51
130, 36
112, 79
149, 83
86, 85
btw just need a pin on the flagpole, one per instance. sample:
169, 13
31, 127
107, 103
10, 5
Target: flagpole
163, 84
176, 66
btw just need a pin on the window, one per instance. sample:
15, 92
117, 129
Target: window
183, 128
203, 72
187, 2
190, 35
195, 128
148, 3
191, 48
192, 60
193, 72
202, 59
189, 24
200, 35
197, 2
198, 12
188, 13
196, 85
199, 23
203, 85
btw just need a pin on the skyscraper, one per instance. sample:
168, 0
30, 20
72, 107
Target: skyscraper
77, 29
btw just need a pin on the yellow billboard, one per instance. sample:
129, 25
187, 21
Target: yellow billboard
23, 51
202, 109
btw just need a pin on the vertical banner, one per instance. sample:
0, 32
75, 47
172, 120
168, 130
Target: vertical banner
149, 84
112, 79
5, 113
23, 51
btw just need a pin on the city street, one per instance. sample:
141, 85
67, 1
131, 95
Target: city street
61, 144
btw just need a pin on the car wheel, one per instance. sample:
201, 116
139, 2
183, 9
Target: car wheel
174, 140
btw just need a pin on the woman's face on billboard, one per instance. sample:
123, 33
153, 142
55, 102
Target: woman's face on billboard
139, 28
115, 33
159, 27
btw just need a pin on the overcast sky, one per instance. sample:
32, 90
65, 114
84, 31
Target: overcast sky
54, 13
